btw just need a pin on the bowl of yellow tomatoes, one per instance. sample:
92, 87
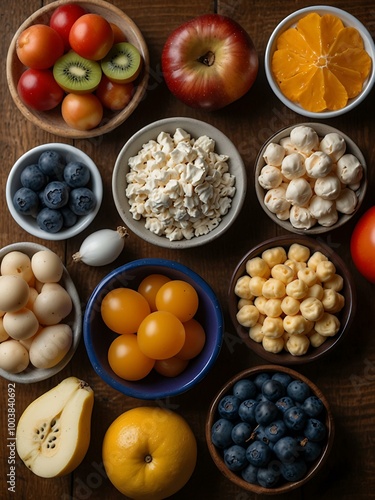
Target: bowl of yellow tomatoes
153, 328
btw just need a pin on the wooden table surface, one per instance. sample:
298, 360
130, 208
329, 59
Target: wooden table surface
346, 377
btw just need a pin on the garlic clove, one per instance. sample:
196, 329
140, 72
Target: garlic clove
101, 247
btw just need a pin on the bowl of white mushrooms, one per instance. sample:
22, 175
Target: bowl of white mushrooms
310, 178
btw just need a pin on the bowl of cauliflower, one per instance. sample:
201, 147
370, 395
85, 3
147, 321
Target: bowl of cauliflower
179, 183
291, 299
310, 178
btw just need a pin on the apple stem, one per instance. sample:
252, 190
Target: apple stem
207, 59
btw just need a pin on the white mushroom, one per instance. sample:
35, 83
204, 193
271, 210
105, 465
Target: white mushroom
304, 138
334, 145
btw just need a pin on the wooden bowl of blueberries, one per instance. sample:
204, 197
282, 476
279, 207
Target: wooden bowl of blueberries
269, 430
63, 87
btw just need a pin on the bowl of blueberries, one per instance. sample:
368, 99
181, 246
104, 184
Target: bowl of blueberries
269, 429
54, 191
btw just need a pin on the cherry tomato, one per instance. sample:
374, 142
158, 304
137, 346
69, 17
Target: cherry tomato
170, 367
39, 46
38, 89
179, 298
91, 36
126, 359
161, 335
118, 34
114, 96
195, 338
150, 286
123, 310
63, 19
82, 111
362, 245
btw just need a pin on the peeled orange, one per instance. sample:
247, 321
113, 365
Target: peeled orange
320, 63
149, 453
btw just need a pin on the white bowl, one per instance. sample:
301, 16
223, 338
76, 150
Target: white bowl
348, 20
74, 320
70, 153
322, 129
196, 129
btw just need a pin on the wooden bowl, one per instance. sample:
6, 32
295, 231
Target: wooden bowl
52, 121
321, 129
345, 316
236, 478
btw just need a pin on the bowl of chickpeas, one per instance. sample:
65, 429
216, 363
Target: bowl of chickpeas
291, 299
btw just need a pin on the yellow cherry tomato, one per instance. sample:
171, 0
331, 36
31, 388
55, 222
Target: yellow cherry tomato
170, 367
178, 297
150, 286
123, 310
161, 335
195, 338
127, 360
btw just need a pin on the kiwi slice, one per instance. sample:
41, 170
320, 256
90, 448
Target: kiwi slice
76, 74
123, 63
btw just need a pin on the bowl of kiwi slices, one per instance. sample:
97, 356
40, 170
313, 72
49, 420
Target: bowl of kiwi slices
74, 79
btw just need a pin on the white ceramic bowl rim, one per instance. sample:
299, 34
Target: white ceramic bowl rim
171, 386
28, 223
348, 19
74, 320
234, 159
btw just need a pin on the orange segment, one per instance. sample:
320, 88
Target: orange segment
329, 29
286, 64
309, 27
320, 63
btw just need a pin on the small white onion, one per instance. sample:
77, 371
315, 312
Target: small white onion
101, 247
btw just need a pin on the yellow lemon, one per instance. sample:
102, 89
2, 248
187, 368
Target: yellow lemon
149, 453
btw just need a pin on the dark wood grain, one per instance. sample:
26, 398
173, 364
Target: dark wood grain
346, 377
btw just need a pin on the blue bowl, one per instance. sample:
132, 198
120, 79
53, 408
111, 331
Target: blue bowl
98, 337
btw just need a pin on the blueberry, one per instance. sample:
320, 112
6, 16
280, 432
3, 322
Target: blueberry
82, 201
260, 379
50, 220
315, 430
221, 433
284, 403
298, 390
76, 174
56, 194
273, 390
260, 434
52, 164
241, 433
294, 471
286, 449
228, 407
282, 377
313, 406
26, 201
33, 178
246, 411
250, 473
275, 430
266, 412
295, 418
311, 451
245, 389
268, 477
235, 457
258, 453
70, 218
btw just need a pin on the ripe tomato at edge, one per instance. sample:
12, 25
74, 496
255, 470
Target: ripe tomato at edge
114, 96
82, 111
63, 19
39, 46
38, 89
362, 245
91, 36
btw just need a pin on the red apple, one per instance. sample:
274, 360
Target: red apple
209, 62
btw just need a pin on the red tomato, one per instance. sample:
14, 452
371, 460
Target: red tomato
362, 245
91, 36
38, 89
124, 309
39, 46
114, 96
127, 360
63, 19
82, 111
